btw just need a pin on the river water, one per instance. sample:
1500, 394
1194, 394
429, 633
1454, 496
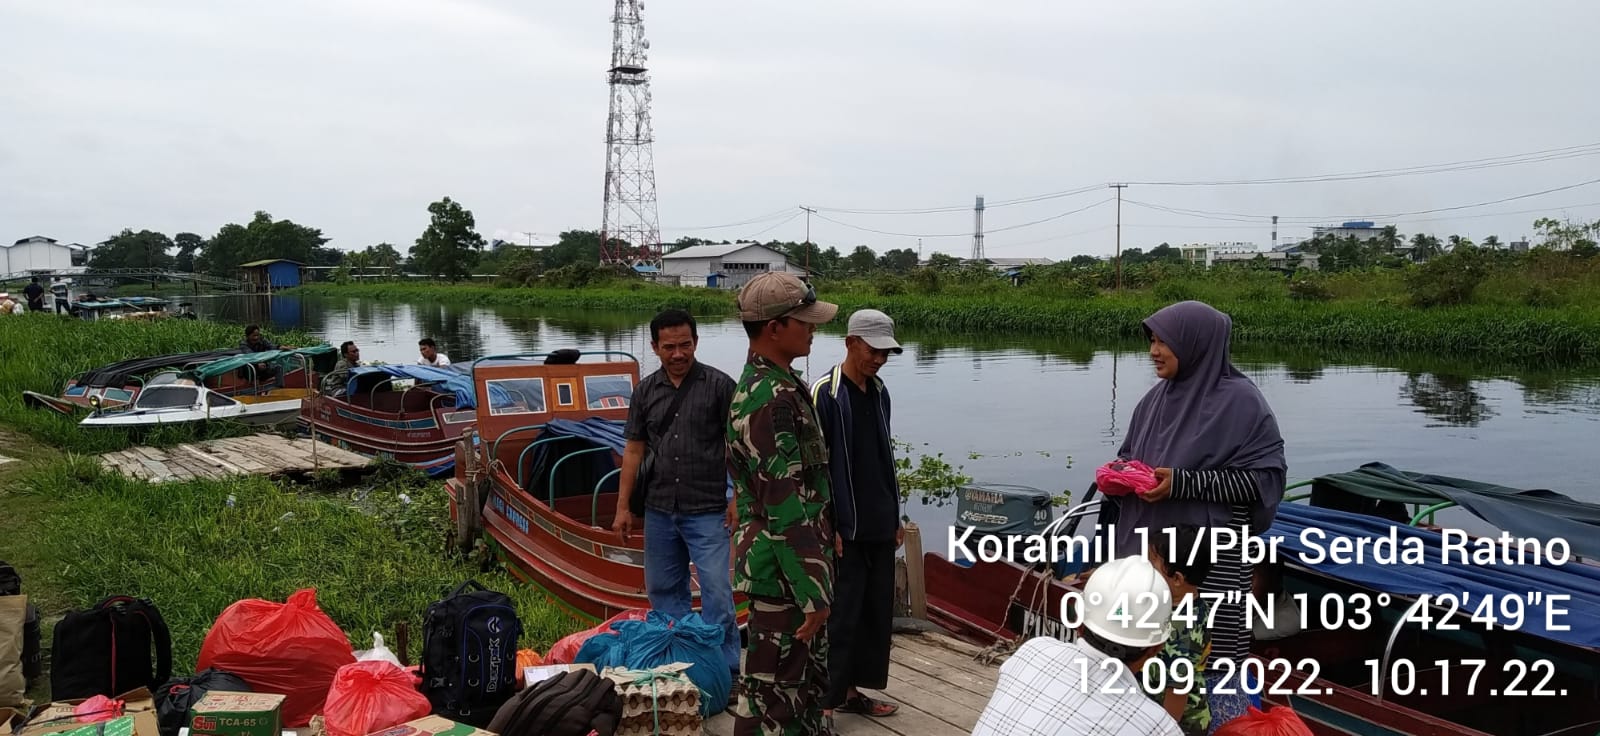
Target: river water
1046, 411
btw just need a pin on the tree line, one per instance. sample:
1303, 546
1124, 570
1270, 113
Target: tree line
451, 248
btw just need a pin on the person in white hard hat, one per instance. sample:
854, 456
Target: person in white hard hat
1091, 685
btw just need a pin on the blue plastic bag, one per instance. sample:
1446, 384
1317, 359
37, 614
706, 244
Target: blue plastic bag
659, 640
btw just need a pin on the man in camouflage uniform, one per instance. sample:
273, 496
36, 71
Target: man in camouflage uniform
783, 553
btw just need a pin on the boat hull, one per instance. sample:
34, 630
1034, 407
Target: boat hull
261, 414
423, 437
586, 567
76, 398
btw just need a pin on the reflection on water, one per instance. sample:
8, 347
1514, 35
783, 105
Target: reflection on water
1448, 398
1009, 398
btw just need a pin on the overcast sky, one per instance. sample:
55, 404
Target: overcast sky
352, 115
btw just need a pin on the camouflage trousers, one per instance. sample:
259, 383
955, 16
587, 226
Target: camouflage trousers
784, 678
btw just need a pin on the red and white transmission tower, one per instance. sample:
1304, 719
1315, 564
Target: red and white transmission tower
629, 233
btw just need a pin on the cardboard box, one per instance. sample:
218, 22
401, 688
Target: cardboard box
138, 706
660, 701
432, 726
224, 713
536, 674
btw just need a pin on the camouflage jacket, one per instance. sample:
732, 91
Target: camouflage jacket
1194, 644
779, 463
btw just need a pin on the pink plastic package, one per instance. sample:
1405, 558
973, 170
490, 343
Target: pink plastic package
1122, 477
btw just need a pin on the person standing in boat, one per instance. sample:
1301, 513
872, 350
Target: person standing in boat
1215, 446
784, 550
432, 356
677, 416
853, 404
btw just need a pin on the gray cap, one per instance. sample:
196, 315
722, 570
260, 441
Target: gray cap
875, 328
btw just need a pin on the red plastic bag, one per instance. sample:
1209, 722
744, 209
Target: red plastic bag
96, 709
1120, 478
563, 652
291, 649
370, 696
1279, 721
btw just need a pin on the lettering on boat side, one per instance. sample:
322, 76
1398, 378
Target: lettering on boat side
516, 518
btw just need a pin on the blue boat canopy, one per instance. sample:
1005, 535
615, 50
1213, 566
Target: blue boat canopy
1579, 581
448, 379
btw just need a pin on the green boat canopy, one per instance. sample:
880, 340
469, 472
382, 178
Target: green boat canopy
287, 358
1379, 490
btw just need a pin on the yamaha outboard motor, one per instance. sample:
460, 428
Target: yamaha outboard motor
1001, 510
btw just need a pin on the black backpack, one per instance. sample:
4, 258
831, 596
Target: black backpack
106, 650
32, 660
573, 703
178, 695
469, 653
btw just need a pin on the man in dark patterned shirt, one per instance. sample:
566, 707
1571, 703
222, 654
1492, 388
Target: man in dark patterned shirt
688, 503
784, 552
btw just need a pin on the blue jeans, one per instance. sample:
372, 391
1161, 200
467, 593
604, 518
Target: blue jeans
671, 542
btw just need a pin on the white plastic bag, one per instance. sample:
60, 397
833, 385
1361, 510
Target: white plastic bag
378, 652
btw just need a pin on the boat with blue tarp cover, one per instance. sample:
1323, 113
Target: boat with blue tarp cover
414, 414
538, 475
1432, 641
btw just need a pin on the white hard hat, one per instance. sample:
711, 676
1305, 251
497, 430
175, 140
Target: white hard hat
1128, 602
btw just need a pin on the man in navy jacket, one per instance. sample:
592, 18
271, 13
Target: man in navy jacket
853, 405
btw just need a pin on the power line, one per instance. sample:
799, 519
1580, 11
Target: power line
770, 228
965, 234
1515, 159
754, 220
1302, 219
965, 207
1540, 210
1554, 154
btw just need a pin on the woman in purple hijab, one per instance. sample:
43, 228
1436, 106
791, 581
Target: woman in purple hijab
1214, 443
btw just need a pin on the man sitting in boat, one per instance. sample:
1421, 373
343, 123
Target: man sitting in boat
430, 353
679, 415
1055, 688
338, 380
255, 342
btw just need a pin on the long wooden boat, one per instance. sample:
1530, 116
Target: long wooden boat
118, 384
1410, 670
411, 413
538, 474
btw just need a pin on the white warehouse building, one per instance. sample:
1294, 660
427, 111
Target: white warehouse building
724, 266
37, 253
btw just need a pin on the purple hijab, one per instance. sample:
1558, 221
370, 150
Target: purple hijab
1208, 417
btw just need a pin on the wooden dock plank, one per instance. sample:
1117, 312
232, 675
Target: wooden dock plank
931, 704
260, 454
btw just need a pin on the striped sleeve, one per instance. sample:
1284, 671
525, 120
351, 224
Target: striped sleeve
1215, 486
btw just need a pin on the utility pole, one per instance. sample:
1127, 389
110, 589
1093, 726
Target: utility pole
1119, 188
809, 212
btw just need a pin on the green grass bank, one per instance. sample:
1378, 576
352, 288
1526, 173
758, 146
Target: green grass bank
1365, 321
375, 554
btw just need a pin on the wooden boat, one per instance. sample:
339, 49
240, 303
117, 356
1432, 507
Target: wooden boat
125, 308
1392, 676
411, 413
117, 384
538, 474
